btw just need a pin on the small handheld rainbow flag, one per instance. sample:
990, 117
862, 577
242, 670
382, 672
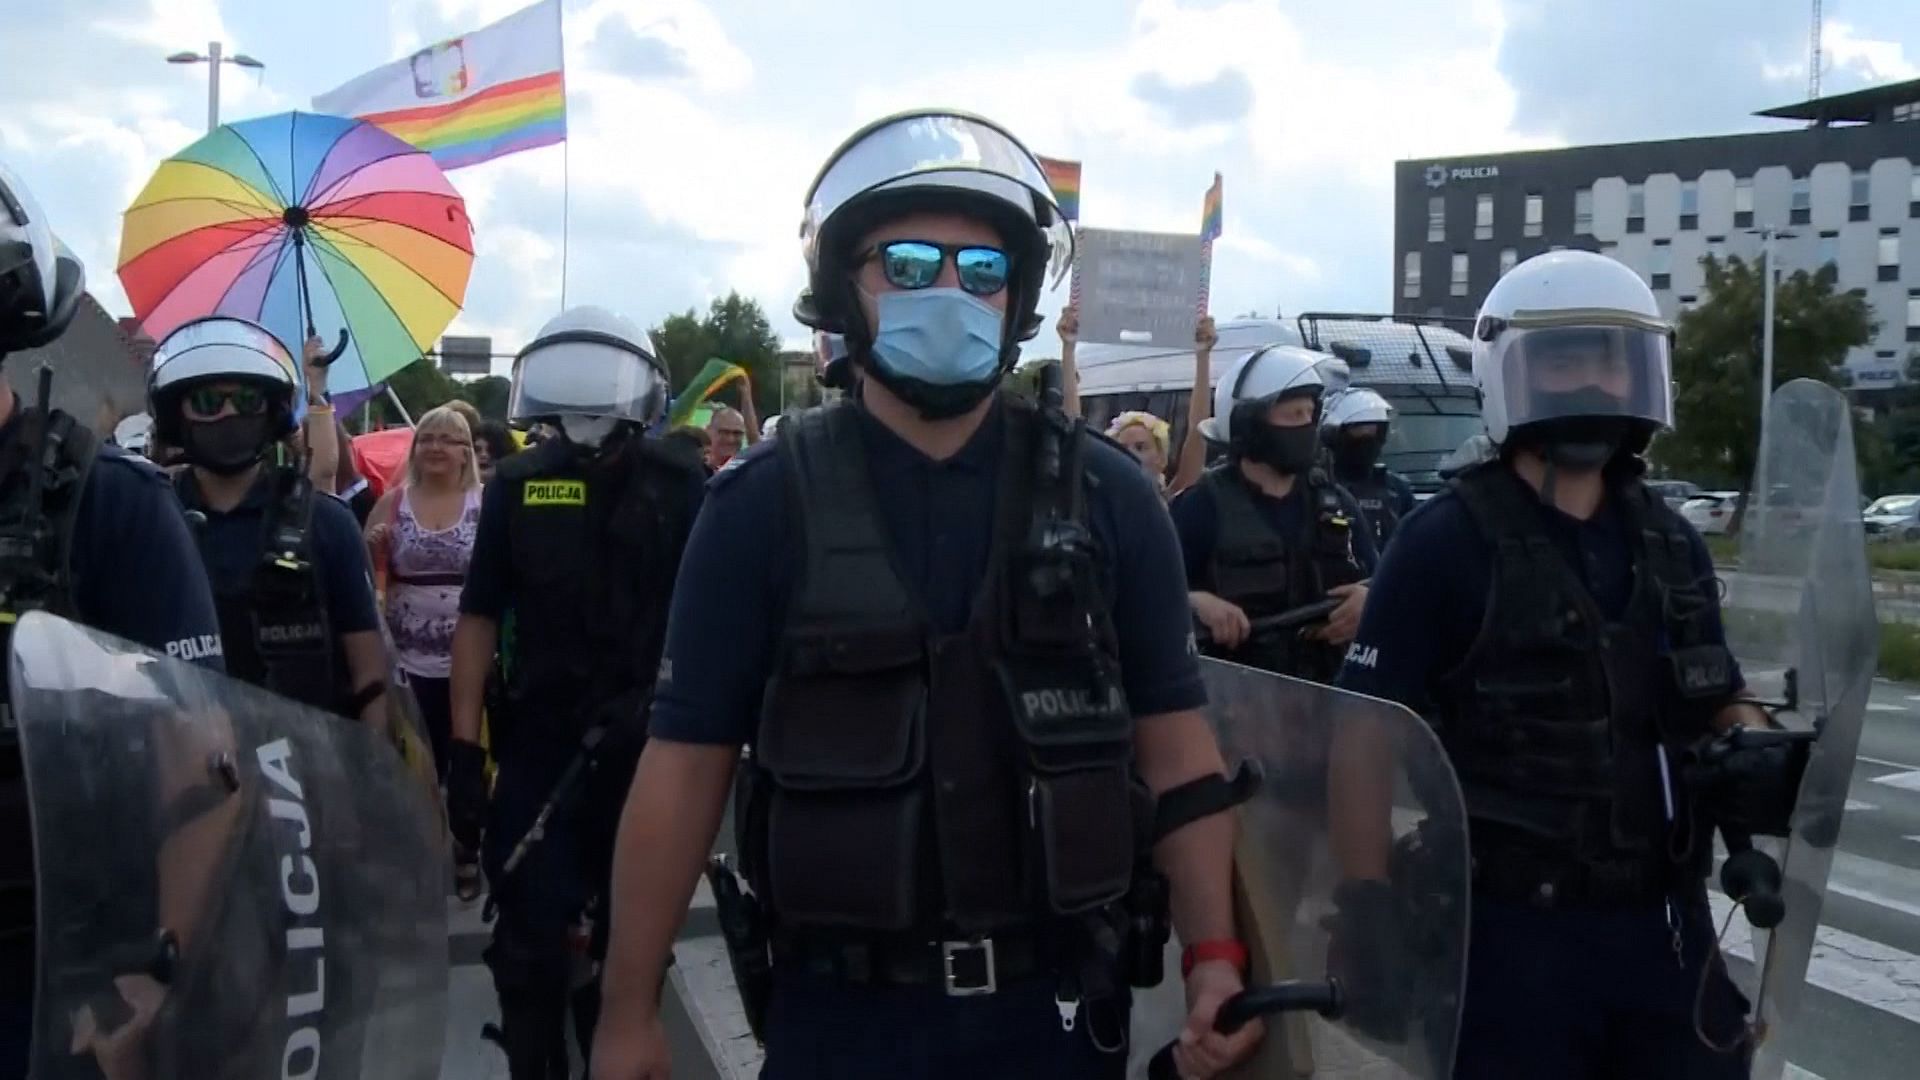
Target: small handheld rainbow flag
1064, 178
1210, 228
711, 380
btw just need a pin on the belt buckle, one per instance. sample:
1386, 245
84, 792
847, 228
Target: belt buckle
949, 950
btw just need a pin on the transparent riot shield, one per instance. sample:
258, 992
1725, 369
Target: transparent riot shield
1800, 619
228, 884
1350, 884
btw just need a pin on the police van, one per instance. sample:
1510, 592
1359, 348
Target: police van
1422, 365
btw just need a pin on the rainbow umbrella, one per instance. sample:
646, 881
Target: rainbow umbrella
305, 224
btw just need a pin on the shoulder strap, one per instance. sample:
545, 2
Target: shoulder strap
1657, 534
847, 573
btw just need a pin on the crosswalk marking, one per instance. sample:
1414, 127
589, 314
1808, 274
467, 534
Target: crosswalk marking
1855, 806
1905, 781
1875, 706
1875, 975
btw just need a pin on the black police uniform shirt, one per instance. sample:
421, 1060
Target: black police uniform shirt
490, 585
1196, 518
730, 604
232, 543
136, 572
1429, 595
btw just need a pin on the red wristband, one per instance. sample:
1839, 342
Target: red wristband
1201, 952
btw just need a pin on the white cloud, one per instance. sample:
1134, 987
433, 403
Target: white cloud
1873, 60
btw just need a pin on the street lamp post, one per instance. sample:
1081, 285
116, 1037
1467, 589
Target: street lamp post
213, 59
1768, 235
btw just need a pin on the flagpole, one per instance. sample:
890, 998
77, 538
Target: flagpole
566, 158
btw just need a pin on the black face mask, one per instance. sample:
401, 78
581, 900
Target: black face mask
1287, 450
1589, 430
1356, 456
227, 446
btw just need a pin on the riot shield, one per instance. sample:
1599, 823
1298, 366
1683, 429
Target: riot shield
228, 884
1800, 619
1350, 881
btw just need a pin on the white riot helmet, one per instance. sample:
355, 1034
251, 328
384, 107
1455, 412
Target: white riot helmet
267, 404
929, 160
1355, 453
132, 433
588, 370
1245, 393
41, 282
1571, 353
1259, 380
1356, 406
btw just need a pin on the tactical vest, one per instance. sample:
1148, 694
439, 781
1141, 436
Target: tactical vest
912, 780
1265, 573
1557, 719
1377, 499
274, 622
595, 548
43, 470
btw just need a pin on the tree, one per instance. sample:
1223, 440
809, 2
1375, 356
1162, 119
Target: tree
735, 329
420, 386
489, 395
1717, 360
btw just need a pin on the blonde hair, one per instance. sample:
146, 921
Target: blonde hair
444, 418
1155, 426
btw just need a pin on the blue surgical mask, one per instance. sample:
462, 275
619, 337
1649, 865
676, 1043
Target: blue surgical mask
942, 337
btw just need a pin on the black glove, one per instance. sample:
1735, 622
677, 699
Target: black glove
466, 793
1749, 780
1366, 954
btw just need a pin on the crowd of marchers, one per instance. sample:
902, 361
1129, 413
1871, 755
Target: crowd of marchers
935, 642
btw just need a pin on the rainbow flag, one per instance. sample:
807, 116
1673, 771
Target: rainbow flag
1064, 178
1210, 213
496, 91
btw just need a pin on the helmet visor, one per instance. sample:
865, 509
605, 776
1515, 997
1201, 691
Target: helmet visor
585, 375
938, 149
1552, 372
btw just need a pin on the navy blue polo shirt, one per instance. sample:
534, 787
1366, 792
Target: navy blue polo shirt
1429, 596
490, 583
1196, 518
730, 603
231, 542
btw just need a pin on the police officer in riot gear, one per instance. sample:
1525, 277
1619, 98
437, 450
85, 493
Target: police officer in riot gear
288, 566
965, 617
1355, 429
1267, 532
579, 539
88, 532
1560, 627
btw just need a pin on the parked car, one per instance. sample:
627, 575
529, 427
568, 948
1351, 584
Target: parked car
1675, 492
1710, 511
1893, 517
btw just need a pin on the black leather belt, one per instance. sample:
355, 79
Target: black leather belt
1519, 875
962, 968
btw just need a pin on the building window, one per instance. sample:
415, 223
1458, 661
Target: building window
1913, 314
1800, 208
1688, 303
1508, 257
1536, 214
1857, 196
1610, 249
1689, 205
1913, 197
1458, 286
1436, 219
1743, 203
1636, 208
1483, 217
1829, 251
1889, 254
1662, 264
1583, 212
1717, 247
1410, 276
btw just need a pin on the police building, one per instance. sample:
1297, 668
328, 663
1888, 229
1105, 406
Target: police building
1843, 187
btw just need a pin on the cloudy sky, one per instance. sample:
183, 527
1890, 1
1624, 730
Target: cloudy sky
697, 124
